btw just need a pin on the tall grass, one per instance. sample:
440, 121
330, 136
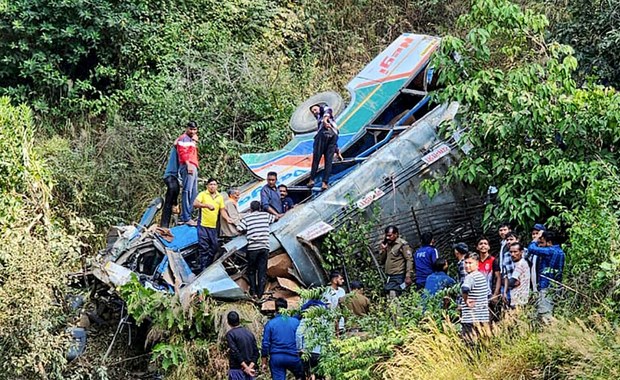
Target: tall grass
518, 349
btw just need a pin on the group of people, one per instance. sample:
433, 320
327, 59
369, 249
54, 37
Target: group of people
489, 284
289, 342
220, 219
182, 173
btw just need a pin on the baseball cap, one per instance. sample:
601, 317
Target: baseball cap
539, 227
461, 247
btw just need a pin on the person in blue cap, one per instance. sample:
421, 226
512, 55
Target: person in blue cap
552, 259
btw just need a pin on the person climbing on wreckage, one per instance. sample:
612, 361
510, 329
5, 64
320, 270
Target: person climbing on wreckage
325, 143
187, 151
211, 204
172, 181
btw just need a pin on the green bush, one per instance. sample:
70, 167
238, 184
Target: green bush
35, 256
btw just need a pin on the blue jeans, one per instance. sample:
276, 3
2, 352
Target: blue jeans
208, 245
280, 363
190, 191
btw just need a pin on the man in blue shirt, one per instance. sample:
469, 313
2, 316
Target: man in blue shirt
171, 179
280, 345
270, 196
424, 259
287, 202
438, 280
242, 348
552, 260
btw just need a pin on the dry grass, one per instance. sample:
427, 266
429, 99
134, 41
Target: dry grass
517, 350
250, 317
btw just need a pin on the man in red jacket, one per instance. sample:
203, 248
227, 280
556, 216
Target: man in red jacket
187, 149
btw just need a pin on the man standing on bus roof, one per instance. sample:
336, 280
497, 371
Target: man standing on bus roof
187, 151
325, 143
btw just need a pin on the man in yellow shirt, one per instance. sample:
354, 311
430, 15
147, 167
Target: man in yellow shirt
211, 203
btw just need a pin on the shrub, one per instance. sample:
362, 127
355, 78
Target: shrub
36, 254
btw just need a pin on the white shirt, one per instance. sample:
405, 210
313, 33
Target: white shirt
332, 297
519, 295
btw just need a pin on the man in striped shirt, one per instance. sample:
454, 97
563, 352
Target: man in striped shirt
256, 226
475, 291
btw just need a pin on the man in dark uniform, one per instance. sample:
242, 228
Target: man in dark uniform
242, 348
325, 143
397, 256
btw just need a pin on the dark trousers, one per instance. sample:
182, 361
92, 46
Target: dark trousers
311, 365
170, 200
325, 144
257, 271
280, 363
208, 246
393, 284
472, 331
238, 374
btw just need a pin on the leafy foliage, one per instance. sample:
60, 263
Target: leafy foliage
36, 254
347, 249
182, 326
592, 28
536, 136
548, 145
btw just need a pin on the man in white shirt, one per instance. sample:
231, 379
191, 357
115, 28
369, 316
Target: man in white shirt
519, 281
334, 294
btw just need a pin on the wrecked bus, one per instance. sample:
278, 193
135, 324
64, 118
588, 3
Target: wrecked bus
388, 136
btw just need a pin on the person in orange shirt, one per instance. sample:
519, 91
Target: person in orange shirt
187, 151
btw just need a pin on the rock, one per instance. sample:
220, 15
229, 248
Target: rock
268, 306
291, 285
278, 266
84, 321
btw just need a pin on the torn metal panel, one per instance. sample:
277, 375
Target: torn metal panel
148, 216
117, 275
217, 282
181, 271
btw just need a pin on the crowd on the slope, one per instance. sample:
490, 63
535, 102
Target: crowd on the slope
289, 342
489, 284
